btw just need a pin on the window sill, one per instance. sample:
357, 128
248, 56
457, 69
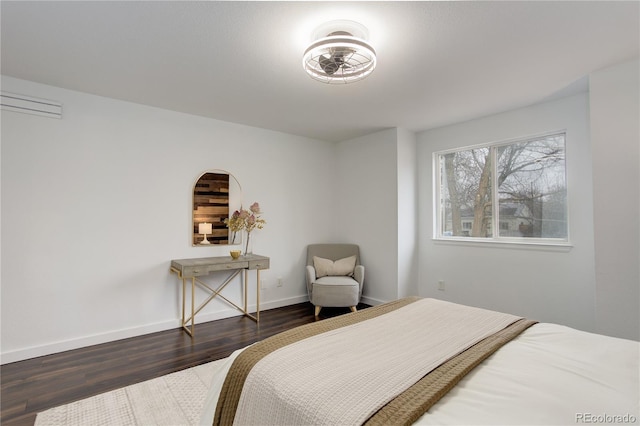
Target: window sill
517, 245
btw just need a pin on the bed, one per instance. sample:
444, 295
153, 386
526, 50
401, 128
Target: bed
428, 362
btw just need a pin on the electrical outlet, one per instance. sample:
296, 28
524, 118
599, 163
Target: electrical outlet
279, 281
263, 285
441, 285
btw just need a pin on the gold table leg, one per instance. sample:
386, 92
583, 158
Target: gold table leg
257, 295
193, 304
184, 303
184, 296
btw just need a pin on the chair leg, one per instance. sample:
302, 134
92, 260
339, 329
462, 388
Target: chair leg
318, 310
353, 308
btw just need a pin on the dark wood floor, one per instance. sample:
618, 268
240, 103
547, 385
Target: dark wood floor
34, 385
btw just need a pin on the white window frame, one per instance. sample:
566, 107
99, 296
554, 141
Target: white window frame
562, 243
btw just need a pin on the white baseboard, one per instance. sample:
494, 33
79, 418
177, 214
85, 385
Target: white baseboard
264, 306
81, 342
371, 301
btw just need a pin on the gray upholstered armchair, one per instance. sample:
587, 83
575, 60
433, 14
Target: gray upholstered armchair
334, 275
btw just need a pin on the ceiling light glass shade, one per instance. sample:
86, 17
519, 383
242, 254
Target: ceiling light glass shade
339, 58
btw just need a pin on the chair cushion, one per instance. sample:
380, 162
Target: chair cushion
335, 291
327, 267
337, 281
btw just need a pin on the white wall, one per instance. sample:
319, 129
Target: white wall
615, 137
94, 207
551, 285
377, 209
407, 214
367, 210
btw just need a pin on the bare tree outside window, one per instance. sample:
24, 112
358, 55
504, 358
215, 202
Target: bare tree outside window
513, 190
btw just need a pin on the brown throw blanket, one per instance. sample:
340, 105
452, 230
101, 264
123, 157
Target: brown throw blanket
407, 406
416, 400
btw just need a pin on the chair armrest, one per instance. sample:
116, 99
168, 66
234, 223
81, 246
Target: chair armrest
310, 274
358, 275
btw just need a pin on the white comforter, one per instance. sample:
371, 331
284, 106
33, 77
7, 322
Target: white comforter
550, 374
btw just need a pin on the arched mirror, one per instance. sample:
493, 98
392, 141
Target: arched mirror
216, 195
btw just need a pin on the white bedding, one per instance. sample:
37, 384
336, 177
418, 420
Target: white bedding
550, 374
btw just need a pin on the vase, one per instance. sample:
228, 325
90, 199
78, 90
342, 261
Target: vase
248, 245
234, 237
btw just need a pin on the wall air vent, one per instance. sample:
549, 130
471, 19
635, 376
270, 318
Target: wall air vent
29, 105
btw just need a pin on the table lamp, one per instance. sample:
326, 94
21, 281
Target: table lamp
204, 228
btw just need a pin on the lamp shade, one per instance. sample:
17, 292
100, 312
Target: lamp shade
204, 228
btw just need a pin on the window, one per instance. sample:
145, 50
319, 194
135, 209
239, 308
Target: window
513, 191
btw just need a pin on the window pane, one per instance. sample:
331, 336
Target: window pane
529, 200
532, 188
465, 204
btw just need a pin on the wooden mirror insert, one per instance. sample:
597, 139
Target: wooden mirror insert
216, 195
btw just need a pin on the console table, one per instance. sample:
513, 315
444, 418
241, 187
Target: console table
191, 269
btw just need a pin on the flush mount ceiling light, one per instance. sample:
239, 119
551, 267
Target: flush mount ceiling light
340, 55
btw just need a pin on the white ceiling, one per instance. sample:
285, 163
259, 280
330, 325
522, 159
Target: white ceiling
438, 62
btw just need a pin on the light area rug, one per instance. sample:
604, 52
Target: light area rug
173, 399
